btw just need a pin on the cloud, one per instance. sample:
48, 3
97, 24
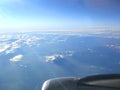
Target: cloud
5, 37
31, 40
22, 40
23, 66
53, 57
16, 58
91, 50
10, 43
14, 45
4, 47
117, 47
69, 53
59, 39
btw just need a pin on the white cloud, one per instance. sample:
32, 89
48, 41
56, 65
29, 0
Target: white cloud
91, 50
4, 47
4, 37
50, 58
69, 53
22, 40
23, 66
117, 47
16, 58
53, 57
14, 46
31, 40
59, 38
27, 39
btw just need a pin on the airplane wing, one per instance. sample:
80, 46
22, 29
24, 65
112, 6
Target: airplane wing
97, 82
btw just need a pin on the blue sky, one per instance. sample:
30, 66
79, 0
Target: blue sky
58, 13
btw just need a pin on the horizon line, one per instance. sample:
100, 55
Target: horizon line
63, 29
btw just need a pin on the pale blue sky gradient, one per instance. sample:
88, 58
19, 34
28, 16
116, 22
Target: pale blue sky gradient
58, 13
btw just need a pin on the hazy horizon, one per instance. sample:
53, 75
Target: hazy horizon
26, 15
61, 29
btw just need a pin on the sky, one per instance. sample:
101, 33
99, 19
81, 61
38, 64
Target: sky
35, 14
